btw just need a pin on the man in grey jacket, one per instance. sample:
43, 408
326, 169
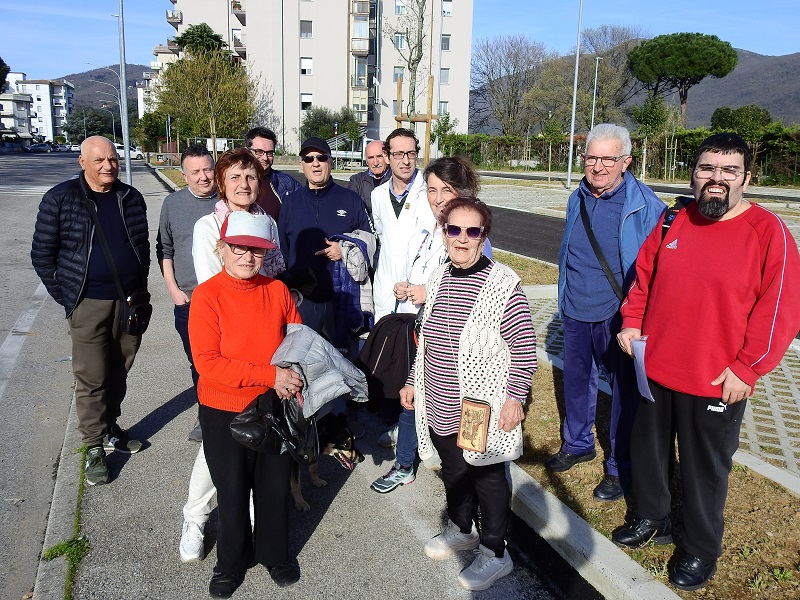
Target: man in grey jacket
179, 213
377, 173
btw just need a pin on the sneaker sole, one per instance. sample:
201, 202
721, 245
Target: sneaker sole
111, 449
444, 554
488, 583
93, 483
190, 559
391, 489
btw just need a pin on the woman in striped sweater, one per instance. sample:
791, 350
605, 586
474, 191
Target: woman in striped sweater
477, 341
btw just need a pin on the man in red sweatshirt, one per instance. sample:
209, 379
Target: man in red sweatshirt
717, 299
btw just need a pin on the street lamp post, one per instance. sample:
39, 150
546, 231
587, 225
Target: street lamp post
597, 60
123, 85
574, 96
113, 123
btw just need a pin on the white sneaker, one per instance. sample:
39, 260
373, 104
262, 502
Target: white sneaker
485, 569
451, 540
191, 546
388, 439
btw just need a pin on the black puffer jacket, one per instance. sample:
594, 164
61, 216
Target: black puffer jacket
62, 239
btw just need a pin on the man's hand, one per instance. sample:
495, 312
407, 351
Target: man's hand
733, 389
400, 290
287, 383
178, 296
624, 338
511, 415
407, 397
332, 252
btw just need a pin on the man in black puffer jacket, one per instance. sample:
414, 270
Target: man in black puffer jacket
68, 257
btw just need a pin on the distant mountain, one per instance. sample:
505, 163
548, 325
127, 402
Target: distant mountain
86, 89
768, 81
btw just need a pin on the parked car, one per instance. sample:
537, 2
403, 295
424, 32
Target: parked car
135, 152
75, 148
63, 147
38, 148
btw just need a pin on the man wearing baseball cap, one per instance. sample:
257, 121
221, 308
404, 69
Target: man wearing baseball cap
309, 217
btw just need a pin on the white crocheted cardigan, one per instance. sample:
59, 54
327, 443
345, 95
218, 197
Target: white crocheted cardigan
483, 365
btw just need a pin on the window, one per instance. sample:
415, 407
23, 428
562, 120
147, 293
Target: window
360, 27
305, 66
447, 8
394, 108
40, 119
38, 98
446, 42
306, 100
398, 73
444, 76
443, 107
305, 29
399, 7
359, 72
400, 40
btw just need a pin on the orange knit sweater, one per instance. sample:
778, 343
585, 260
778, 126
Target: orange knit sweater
235, 326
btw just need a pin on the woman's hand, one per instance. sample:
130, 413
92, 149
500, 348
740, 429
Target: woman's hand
407, 397
401, 290
511, 415
416, 293
287, 383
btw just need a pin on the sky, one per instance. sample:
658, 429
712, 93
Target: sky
51, 38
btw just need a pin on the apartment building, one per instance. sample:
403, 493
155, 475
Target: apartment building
15, 110
335, 53
52, 102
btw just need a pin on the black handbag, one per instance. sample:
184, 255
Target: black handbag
273, 426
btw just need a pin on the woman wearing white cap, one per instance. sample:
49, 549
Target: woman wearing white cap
233, 360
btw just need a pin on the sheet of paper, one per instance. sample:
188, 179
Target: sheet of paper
638, 346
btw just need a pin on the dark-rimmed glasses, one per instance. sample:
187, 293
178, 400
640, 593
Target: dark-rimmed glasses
240, 250
258, 152
606, 161
310, 158
399, 154
454, 231
707, 172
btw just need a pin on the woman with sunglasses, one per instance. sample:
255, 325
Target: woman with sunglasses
445, 179
233, 360
477, 341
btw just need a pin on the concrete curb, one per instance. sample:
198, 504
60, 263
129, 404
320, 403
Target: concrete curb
51, 577
607, 568
157, 172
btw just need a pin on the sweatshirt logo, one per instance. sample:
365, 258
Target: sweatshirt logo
341, 213
673, 245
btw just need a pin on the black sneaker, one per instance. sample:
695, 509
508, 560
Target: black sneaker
223, 586
96, 468
286, 574
117, 440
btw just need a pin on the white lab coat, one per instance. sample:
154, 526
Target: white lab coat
395, 234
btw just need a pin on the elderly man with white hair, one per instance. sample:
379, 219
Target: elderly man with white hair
608, 218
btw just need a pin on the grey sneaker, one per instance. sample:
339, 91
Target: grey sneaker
191, 546
451, 540
396, 477
117, 440
196, 434
485, 569
388, 439
96, 467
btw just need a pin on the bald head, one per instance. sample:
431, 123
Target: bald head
100, 163
376, 159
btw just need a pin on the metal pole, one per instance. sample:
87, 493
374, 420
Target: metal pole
574, 96
597, 60
113, 123
123, 92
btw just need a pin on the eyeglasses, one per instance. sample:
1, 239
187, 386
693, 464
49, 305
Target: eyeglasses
454, 231
410, 154
242, 250
606, 161
707, 172
258, 152
309, 158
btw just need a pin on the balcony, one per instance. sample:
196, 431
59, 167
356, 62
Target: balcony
360, 7
357, 81
173, 46
149, 75
174, 18
240, 46
359, 46
239, 12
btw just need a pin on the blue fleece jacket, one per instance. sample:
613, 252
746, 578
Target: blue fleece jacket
309, 216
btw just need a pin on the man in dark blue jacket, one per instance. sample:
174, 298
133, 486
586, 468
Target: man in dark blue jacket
275, 185
68, 257
309, 217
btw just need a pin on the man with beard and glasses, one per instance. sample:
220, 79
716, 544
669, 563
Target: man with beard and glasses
716, 298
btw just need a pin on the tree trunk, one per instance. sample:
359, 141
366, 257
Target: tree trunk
644, 158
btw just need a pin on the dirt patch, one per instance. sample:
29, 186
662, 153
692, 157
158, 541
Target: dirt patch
761, 546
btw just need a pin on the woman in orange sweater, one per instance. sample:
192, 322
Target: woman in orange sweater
232, 357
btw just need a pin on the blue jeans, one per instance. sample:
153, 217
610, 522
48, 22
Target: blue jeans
589, 347
406, 449
182, 327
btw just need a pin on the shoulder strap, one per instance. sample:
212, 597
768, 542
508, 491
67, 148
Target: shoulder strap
106, 250
599, 253
672, 212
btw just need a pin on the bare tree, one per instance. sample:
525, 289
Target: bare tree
616, 85
503, 69
408, 34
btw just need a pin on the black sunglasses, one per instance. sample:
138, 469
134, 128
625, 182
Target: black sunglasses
453, 231
310, 158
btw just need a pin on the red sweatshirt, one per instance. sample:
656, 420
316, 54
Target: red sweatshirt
235, 326
726, 294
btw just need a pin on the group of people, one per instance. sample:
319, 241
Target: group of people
245, 251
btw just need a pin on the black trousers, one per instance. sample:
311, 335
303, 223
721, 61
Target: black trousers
235, 471
467, 486
708, 435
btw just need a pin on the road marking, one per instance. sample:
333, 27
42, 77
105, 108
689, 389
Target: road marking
11, 347
17, 190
